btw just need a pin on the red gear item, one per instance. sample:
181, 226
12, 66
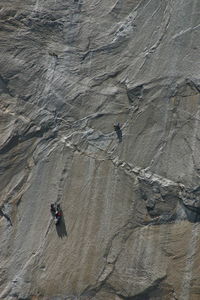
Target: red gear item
58, 214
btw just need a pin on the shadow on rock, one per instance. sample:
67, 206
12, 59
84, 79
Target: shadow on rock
193, 214
61, 227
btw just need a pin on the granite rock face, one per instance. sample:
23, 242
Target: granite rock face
69, 71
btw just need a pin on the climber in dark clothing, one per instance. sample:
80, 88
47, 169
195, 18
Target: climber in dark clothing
118, 131
117, 127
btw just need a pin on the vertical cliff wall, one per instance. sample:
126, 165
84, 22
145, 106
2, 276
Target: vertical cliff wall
69, 71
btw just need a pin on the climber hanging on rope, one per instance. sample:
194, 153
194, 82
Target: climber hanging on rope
118, 131
117, 127
56, 212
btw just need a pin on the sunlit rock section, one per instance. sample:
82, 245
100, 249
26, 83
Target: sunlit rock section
130, 198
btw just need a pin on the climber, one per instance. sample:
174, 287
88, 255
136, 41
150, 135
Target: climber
117, 127
118, 131
58, 214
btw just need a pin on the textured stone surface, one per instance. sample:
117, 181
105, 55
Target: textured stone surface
69, 70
